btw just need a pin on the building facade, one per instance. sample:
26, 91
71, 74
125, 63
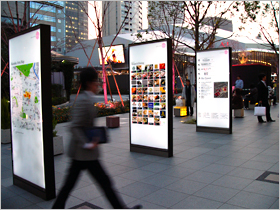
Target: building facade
50, 13
166, 13
32, 13
117, 12
76, 23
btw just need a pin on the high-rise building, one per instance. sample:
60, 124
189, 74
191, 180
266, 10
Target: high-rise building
50, 13
116, 13
163, 13
76, 23
32, 13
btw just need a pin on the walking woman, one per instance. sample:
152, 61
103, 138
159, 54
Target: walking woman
85, 154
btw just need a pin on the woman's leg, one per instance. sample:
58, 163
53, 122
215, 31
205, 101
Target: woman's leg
104, 181
68, 185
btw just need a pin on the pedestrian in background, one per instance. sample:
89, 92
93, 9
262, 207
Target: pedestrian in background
189, 95
263, 98
239, 83
84, 154
237, 100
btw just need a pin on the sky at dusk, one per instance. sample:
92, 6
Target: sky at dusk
251, 28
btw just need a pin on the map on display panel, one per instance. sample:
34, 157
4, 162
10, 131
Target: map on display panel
26, 96
148, 94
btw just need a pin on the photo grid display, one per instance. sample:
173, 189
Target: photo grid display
148, 94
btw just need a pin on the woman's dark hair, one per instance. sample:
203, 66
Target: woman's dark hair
88, 74
261, 76
188, 81
238, 91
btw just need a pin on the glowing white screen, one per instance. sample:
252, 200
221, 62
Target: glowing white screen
26, 107
213, 88
148, 71
115, 54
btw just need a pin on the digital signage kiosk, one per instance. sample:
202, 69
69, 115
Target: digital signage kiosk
31, 111
151, 119
213, 79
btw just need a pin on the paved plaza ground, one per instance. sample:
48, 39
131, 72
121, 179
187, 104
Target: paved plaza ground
208, 170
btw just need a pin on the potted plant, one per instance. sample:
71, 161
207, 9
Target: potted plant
57, 140
5, 122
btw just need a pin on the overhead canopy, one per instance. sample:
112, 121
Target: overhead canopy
59, 57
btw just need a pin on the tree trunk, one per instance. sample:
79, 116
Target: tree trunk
173, 75
103, 72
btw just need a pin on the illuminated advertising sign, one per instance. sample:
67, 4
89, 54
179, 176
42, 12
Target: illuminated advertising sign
115, 54
213, 70
26, 103
150, 94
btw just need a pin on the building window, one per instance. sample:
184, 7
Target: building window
42, 7
53, 38
9, 20
59, 30
59, 11
58, 20
42, 17
53, 29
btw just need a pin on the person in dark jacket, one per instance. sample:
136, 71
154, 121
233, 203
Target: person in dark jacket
84, 154
263, 98
251, 96
237, 100
189, 94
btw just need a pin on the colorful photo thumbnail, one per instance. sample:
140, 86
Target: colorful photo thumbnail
162, 66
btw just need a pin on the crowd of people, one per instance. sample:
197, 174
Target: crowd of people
260, 95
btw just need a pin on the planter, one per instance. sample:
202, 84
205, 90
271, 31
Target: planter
113, 121
58, 145
5, 136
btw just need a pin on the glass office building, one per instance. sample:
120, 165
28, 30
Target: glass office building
50, 13
76, 23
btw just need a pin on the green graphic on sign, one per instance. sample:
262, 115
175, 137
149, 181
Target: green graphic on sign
22, 114
25, 69
36, 100
16, 100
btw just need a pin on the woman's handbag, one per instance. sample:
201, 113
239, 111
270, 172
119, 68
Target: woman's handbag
99, 132
260, 111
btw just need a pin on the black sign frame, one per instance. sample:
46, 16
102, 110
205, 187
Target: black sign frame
49, 191
216, 129
152, 150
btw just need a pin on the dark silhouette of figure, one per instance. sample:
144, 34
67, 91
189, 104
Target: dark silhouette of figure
263, 98
189, 94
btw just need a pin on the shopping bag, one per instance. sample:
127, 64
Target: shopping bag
179, 102
260, 111
99, 132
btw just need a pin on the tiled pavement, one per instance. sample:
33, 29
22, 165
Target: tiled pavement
208, 170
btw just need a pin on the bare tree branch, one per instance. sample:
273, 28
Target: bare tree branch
12, 17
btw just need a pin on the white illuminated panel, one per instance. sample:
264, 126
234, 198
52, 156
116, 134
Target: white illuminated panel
148, 85
26, 107
115, 54
213, 88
